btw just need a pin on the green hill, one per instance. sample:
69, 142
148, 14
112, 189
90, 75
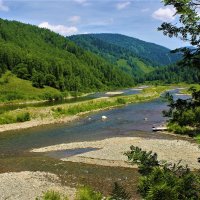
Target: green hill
48, 59
132, 55
14, 89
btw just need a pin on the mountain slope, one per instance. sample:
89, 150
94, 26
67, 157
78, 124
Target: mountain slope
132, 55
157, 54
47, 58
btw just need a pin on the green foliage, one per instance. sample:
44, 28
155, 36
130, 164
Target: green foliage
146, 161
187, 29
22, 117
121, 101
48, 59
9, 118
166, 181
119, 193
15, 89
86, 193
184, 114
198, 138
116, 46
174, 74
52, 195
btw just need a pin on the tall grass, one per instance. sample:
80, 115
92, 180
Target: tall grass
9, 118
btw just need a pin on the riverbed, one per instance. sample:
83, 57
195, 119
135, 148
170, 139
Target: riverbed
131, 121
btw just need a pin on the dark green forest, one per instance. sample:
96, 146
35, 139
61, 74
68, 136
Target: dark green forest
115, 47
144, 61
46, 58
173, 74
96, 62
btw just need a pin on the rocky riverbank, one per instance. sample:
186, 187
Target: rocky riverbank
109, 152
29, 185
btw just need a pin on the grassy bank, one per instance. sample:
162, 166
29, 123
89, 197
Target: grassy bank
13, 89
57, 113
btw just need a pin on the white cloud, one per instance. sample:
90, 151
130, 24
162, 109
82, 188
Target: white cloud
75, 19
165, 14
145, 10
62, 30
3, 7
123, 5
82, 2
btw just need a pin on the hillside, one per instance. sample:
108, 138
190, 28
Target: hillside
15, 89
132, 55
48, 59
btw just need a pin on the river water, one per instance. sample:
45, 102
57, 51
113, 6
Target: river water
124, 121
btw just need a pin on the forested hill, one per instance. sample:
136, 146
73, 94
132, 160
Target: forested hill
129, 53
46, 58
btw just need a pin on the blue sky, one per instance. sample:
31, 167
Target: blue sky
136, 18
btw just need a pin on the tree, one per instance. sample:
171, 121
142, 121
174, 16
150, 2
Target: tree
189, 29
161, 180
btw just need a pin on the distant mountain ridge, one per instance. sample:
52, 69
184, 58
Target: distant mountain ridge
131, 54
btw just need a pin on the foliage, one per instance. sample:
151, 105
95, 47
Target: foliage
52, 195
119, 193
162, 181
121, 101
15, 89
86, 193
184, 114
48, 59
133, 56
174, 74
9, 118
188, 29
146, 161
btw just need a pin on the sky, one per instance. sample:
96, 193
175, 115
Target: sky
135, 18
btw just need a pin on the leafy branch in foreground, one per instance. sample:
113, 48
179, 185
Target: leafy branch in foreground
163, 181
188, 29
184, 115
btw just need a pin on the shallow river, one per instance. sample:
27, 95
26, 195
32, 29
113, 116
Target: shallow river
123, 121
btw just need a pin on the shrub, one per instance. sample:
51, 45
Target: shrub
86, 193
166, 181
23, 117
119, 193
52, 195
121, 101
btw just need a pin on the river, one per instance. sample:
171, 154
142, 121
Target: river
124, 121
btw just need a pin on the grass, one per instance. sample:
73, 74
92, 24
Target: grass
79, 108
52, 195
19, 116
197, 138
13, 89
142, 66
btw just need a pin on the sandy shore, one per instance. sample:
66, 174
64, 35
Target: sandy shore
110, 151
115, 93
29, 185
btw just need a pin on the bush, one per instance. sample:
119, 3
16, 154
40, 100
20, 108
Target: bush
166, 181
9, 118
23, 117
121, 101
52, 195
86, 193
